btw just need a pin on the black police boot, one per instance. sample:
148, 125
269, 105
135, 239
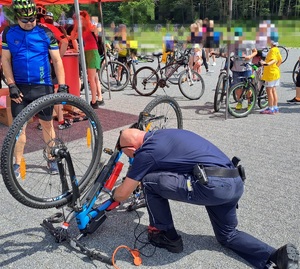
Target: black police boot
159, 239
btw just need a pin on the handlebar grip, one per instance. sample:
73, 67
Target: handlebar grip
98, 256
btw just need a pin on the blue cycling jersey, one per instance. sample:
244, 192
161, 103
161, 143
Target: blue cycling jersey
30, 53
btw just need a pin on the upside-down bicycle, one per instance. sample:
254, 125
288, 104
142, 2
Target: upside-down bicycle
83, 181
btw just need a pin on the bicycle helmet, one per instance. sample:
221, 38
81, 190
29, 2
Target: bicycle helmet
24, 8
49, 14
41, 10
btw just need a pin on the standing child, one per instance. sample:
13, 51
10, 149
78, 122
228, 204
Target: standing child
197, 58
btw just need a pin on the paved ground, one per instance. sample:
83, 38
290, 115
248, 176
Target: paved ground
269, 209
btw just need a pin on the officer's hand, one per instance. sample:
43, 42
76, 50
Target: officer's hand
63, 88
113, 204
14, 91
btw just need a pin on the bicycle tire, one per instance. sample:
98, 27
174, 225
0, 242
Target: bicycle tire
284, 53
191, 84
296, 71
220, 91
233, 100
145, 81
174, 79
167, 107
36, 188
111, 78
132, 71
262, 97
170, 65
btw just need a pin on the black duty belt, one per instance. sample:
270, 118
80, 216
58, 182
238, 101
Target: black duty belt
221, 172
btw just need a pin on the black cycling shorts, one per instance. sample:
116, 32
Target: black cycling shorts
31, 93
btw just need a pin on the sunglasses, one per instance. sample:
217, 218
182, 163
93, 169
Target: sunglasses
119, 147
26, 20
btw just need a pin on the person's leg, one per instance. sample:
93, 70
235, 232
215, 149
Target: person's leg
204, 60
19, 148
275, 97
296, 99
161, 186
270, 101
91, 72
59, 109
224, 221
98, 87
207, 54
20, 144
48, 132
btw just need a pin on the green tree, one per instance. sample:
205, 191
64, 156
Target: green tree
140, 12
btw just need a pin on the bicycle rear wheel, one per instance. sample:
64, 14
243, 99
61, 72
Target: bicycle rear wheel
145, 81
191, 84
262, 98
284, 53
36, 187
241, 100
164, 112
220, 91
296, 71
115, 74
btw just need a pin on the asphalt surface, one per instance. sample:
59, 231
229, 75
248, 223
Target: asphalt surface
269, 208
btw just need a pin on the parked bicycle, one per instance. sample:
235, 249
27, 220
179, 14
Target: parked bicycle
114, 74
242, 96
147, 80
83, 182
283, 51
223, 83
296, 70
171, 61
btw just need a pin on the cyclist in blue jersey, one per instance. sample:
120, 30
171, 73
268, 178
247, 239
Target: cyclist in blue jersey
180, 165
26, 52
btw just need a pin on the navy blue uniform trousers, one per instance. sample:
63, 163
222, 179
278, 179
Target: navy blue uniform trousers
220, 197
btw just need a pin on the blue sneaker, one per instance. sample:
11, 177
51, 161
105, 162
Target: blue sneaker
276, 109
52, 168
17, 171
268, 111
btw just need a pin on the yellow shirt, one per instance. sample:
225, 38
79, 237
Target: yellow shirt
272, 72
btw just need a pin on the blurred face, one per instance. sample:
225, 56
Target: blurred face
27, 23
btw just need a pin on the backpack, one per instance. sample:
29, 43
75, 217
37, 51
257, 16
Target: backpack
100, 44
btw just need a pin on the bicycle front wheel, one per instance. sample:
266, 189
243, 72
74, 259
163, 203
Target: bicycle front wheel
262, 98
191, 84
145, 81
220, 91
296, 71
284, 53
115, 75
36, 185
164, 112
241, 99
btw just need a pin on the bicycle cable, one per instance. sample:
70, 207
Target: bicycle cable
135, 252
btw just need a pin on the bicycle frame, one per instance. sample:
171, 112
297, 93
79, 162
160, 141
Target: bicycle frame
90, 216
173, 65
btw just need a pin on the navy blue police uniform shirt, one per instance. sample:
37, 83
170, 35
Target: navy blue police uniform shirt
177, 151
